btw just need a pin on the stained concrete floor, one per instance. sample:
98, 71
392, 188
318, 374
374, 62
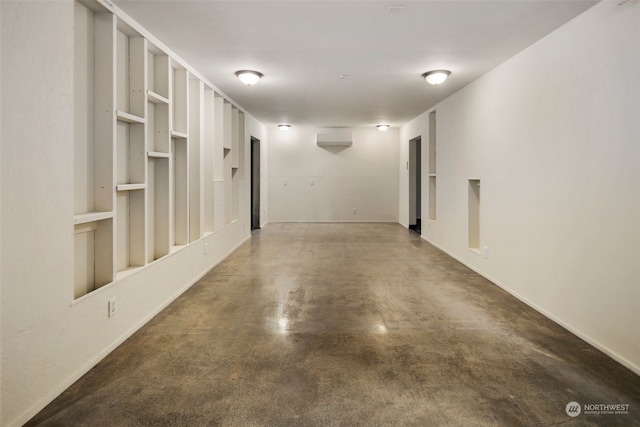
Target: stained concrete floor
346, 325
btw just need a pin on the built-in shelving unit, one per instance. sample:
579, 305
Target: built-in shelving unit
158, 152
432, 166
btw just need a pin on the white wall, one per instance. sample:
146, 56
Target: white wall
553, 135
363, 176
48, 340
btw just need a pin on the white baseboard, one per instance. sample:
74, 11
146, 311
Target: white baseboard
49, 397
570, 328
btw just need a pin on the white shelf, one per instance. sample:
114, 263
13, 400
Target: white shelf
156, 98
130, 187
91, 217
157, 155
178, 135
129, 118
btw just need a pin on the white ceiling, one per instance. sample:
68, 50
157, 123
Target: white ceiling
303, 47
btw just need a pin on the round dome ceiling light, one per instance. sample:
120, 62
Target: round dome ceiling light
436, 77
382, 128
249, 77
284, 128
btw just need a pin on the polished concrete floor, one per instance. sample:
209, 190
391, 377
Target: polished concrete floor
346, 325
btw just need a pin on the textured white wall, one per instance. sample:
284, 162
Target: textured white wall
363, 176
553, 135
48, 340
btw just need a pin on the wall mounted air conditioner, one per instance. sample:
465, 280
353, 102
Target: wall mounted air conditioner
334, 139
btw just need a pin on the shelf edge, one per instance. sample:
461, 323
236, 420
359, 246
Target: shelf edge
156, 98
157, 155
178, 135
130, 187
91, 217
129, 118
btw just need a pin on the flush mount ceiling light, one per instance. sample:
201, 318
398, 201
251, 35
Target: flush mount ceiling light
382, 127
249, 77
284, 128
436, 77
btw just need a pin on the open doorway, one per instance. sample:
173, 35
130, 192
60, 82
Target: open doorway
255, 183
415, 184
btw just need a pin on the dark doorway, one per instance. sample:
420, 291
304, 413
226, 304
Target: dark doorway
415, 185
255, 183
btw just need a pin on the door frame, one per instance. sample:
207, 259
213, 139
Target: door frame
415, 183
255, 182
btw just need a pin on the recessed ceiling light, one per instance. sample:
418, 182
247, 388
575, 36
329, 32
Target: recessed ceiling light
436, 77
249, 77
284, 128
382, 127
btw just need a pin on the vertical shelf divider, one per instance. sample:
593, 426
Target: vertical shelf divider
235, 138
241, 144
208, 151
235, 163
180, 155
228, 163
180, 201
219, 163
196, 159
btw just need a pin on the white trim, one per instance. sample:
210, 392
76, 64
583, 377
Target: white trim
328, 221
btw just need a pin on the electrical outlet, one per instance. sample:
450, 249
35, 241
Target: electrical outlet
313, 182
112, 307
485, 252
205, 248
355, 211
